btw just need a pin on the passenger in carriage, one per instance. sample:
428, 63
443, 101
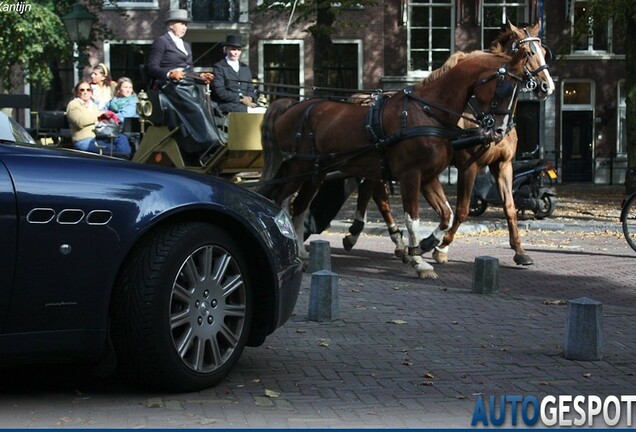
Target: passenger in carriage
170, 56
232, 86
124, 104
83, 114
102, 86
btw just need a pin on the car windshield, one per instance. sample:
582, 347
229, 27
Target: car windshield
12, 132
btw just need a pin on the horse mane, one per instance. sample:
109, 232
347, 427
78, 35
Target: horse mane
452, 61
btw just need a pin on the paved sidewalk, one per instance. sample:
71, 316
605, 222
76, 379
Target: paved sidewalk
404, 353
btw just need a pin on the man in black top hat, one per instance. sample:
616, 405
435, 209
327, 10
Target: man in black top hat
232, 86
171, 56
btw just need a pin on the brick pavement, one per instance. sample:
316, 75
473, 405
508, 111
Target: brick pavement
405, 353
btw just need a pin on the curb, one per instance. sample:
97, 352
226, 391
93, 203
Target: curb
374, 228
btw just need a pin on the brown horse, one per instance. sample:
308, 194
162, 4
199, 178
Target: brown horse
469, 161
410, 139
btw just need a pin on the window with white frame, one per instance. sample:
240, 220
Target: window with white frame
495, 14
431, 34
621, 136
589, 36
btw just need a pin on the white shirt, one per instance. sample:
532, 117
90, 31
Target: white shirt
233, 63
179, 43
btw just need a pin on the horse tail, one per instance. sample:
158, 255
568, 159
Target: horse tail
272, 155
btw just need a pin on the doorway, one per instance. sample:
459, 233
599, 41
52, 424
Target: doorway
576, 142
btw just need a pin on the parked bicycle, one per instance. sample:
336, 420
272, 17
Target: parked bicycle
628, 220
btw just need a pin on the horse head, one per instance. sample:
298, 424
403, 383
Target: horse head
536, 72
495, 95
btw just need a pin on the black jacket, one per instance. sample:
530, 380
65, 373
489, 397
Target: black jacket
228, 86
165, 56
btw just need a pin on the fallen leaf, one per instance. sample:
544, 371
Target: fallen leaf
426, 383
587, 375
460, 396
407, 363
324, 343
397, 321
301, 331
429, 375
555, 302
271, 393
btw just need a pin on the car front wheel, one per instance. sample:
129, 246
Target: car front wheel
182, 310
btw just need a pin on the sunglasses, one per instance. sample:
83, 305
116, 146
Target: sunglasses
85, 90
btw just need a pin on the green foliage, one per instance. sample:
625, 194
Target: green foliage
30, 41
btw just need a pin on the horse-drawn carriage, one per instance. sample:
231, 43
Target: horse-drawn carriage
314, 138
193, 134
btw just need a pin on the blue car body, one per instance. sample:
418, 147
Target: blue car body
69, 221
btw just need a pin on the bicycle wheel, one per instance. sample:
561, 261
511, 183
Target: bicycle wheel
628, 220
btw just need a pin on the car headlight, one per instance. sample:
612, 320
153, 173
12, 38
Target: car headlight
285, 225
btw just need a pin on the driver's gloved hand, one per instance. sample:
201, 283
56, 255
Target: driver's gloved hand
247, 101
176, 75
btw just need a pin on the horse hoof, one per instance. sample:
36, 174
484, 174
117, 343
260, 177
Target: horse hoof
523, 260
347, 243
427, 274
399, 252
440, 257
427, 244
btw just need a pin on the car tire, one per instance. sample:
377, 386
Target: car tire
182, 309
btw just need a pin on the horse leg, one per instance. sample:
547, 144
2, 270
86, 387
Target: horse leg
365, 189
503, 174
409, 189
465, 183
435, 196
381, 198
298, 206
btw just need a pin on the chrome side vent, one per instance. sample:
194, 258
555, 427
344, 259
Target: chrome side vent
40, 215
99, 217
70, 216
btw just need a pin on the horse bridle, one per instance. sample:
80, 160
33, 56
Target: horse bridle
531, 81
503, 90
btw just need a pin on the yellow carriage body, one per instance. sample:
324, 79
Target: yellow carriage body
239, 158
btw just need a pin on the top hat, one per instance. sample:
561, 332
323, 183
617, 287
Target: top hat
180, 15
233, 41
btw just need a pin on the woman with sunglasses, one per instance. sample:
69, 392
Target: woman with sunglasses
83, 114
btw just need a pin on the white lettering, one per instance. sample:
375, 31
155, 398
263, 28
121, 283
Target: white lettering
628, 401
617, 411
578, 400
552, 420
594, 406
563, 408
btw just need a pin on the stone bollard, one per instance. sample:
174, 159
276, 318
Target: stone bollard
319, 256
584, 330
486, 275
323, 296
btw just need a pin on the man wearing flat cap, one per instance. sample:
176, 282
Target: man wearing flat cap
232, 86
171, 56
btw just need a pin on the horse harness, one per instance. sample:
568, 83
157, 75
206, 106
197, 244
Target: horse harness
380, 140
